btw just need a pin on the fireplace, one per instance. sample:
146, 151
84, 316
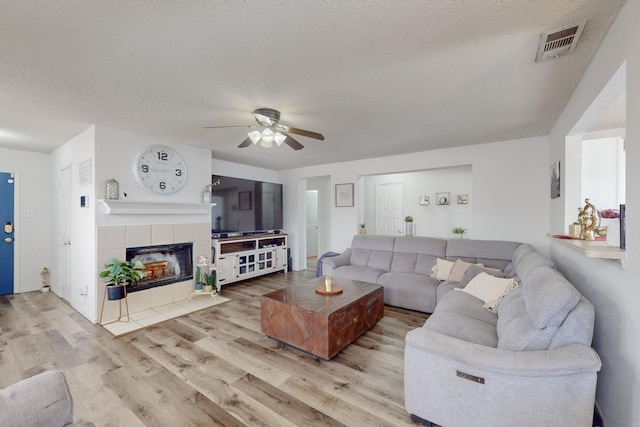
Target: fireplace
164, 264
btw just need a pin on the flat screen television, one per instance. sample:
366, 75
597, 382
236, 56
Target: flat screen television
245, 206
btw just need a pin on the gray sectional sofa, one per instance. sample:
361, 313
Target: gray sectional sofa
529, 363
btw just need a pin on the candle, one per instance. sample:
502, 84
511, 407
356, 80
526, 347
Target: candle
327, 283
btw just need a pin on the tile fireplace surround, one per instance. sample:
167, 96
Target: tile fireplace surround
113, 242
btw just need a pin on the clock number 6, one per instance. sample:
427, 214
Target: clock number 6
162, 185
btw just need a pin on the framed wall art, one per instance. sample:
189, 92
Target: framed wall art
443, 198
344, 195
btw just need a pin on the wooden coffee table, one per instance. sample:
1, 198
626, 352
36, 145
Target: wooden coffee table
321, 324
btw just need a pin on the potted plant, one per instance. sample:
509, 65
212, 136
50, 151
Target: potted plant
409, 229
363, 229
458, 232
206, 275
117, 274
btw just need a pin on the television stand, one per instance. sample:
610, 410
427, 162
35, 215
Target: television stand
245, 257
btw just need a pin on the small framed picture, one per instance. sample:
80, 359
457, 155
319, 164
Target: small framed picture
244, 200
344, 195
463, 199
443, 198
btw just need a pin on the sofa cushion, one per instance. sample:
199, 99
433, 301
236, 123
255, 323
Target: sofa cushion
467, 304
463, 320
358, 272
548, 297
404, 262
474, 270
372, 251
529, 262
409, 290
489, 289
515, 330
428, 249
491, 253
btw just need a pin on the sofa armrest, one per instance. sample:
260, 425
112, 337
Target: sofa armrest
572, 359
42, 400
331, 263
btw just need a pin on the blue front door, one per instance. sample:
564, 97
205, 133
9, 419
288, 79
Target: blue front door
6, 233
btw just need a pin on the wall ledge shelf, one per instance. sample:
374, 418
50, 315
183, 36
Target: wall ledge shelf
593, 248
126, 207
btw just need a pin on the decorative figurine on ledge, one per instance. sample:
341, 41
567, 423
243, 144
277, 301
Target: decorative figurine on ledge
588, 220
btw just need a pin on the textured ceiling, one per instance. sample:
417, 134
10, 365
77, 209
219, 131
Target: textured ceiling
375, 77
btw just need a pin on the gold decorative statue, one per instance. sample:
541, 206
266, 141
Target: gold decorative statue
588, 220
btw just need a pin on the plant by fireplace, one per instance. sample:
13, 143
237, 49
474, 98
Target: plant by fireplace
118, 274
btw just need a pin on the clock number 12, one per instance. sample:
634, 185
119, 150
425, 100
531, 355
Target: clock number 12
163, 156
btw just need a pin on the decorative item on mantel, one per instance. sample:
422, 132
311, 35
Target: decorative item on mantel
363, 229
112, 190
588, 220
206, 195
409, 226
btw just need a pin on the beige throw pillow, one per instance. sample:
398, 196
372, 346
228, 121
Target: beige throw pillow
490, 289
459, 268
441, 269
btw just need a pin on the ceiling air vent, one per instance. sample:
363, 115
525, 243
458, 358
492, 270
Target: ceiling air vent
559, 42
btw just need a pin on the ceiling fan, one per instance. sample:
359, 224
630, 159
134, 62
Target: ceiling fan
270, 131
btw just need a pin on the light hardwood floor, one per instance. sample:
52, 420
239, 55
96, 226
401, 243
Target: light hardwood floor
211, 367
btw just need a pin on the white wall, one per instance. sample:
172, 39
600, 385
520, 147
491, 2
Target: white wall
510, 191
613, 290
430, 220
33, 192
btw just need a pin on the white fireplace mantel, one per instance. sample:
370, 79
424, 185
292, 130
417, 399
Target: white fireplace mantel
126, 207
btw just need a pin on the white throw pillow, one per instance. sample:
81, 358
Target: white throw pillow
490, 289
441, 269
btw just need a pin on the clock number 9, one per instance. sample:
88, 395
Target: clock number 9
144, 168
163, 156
162, 185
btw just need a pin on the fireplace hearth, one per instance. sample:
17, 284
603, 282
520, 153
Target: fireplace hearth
164, 264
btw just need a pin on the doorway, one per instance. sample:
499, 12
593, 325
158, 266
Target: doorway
7, 245
389, 208
64, 233
312, 225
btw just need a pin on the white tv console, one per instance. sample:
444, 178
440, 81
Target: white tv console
244, 257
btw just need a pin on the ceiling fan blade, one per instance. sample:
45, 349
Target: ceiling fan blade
247, 142
235, 126
307, 133
293, 143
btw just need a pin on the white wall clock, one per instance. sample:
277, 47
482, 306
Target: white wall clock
160, 170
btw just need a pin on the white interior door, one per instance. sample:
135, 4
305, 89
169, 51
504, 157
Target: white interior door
312, 223
389, 208
64, 234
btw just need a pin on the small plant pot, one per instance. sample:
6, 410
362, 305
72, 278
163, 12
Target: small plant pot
115, 293
199, 286
208, 288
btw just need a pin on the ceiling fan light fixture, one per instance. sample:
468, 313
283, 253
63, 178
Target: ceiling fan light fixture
255, 136
279, 138
268, 136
